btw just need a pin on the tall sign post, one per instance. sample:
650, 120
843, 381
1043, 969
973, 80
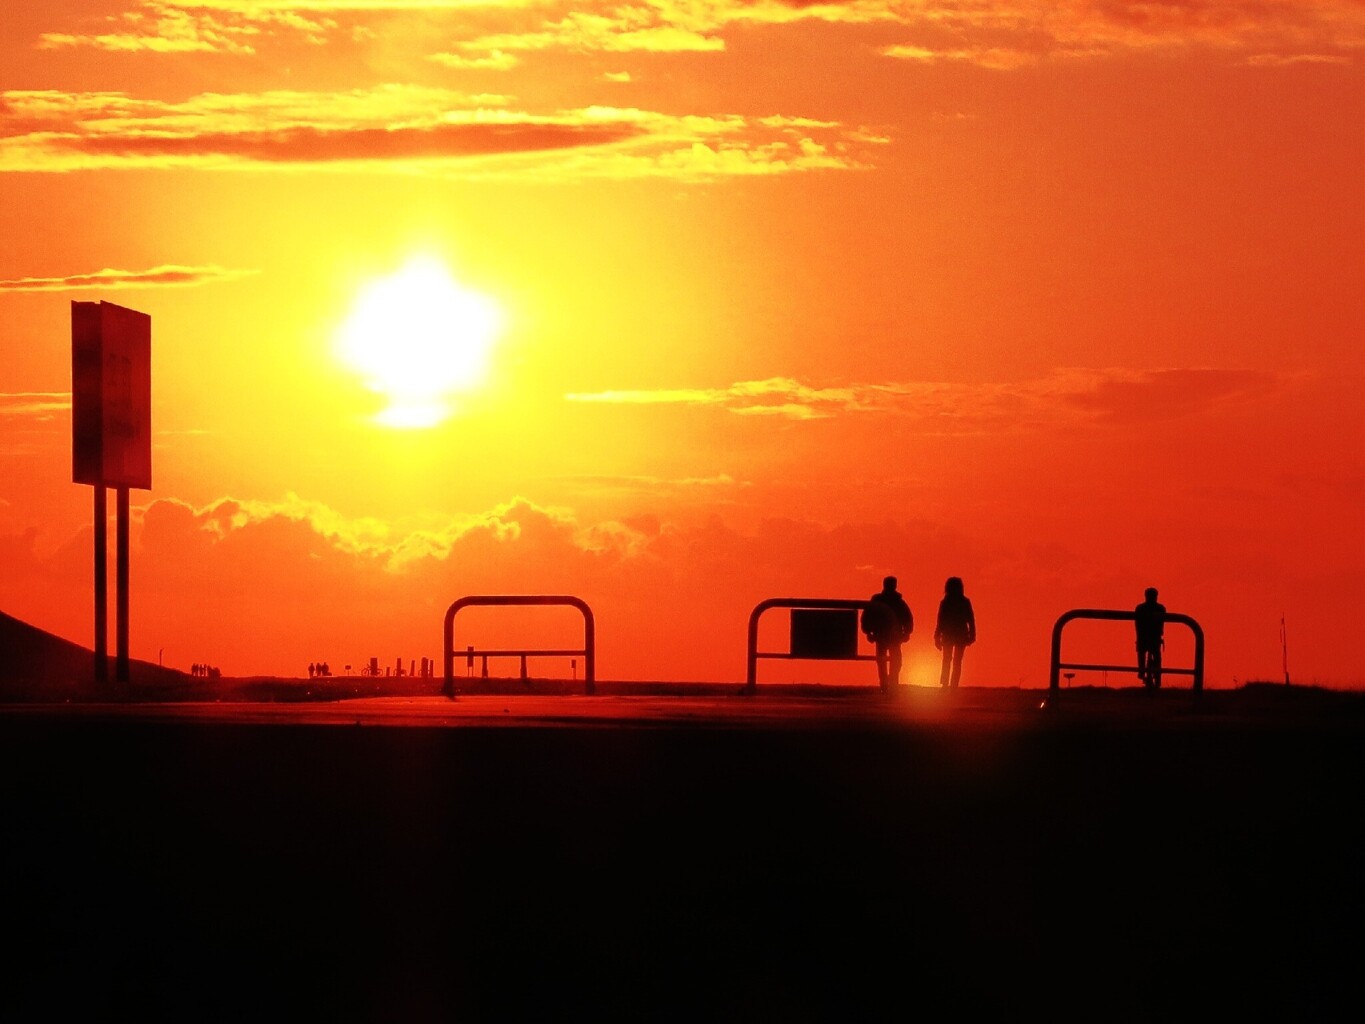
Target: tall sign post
111, 444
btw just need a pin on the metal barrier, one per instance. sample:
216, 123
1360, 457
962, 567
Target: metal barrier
1197, 671
588, 650
830, 604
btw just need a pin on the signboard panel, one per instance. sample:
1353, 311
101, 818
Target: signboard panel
824, 633
111, 395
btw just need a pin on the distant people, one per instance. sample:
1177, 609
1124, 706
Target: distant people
955, 630
312, 669
887, 623
1150, 620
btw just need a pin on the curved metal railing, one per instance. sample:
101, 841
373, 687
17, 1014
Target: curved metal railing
588, 650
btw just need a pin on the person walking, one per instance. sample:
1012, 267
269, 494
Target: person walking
954, 631
887, 623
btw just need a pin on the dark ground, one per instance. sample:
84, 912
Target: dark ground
1081, 866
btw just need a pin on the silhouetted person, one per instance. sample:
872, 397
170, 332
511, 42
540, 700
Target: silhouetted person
1150, 620
887, 624
312, 669
955, 630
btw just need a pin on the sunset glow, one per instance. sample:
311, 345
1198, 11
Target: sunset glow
677, 308
418, 338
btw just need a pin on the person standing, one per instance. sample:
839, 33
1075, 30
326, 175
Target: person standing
887, 623
1150, 621
955, 630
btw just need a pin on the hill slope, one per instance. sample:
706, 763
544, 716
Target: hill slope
38, 665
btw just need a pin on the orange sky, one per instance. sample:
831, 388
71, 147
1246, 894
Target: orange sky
1064, 299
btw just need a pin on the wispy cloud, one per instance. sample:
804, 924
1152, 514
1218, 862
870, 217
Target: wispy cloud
409, 129
1283, 60
167, 276
640, 483
1104, 395
1020, 33
34, 404
490, 33
1001, 58
207, 26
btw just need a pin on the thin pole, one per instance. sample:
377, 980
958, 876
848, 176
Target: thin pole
121, 565
1284, 649
101, 585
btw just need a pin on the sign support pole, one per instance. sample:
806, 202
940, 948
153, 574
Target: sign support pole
121, 564
111, 446
101, 585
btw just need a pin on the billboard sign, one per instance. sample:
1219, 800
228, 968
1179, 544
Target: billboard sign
824, 633
111, 395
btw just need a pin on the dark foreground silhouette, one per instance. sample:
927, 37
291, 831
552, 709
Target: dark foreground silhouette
1147, 858
1009, 866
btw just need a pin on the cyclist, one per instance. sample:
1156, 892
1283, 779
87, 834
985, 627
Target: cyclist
1150, 620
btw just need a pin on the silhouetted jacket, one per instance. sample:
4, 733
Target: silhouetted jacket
956, 621
1150, 620
888, 620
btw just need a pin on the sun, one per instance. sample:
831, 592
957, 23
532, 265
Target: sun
418, 337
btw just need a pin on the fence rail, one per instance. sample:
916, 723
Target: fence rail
588, 650
1196, 671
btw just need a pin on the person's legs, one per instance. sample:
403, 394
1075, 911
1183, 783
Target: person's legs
894, 675
947, 665
882, 667
957, 650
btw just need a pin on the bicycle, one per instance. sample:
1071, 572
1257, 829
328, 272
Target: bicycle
1149, 666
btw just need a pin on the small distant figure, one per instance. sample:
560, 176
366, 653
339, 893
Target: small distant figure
955, 630
1150, 620
312, 670
887, 623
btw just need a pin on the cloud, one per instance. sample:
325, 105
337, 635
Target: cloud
196, 27
1103, 395
1000, 35
1129, 396
41, 405
408, 129
1022, 33
1284, 60
388, 545
712, 488
996, 57
321, 145
156, 277
485, 60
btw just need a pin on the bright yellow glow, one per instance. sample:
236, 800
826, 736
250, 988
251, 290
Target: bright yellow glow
418, 337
